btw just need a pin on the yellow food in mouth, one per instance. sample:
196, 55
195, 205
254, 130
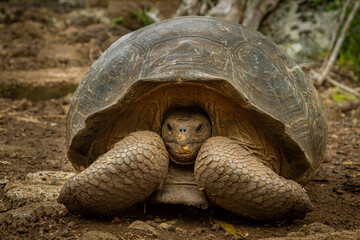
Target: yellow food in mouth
184, 150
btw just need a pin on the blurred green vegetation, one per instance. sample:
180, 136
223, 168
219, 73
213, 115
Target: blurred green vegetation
118, 20
142, 16
342, 97
349, 55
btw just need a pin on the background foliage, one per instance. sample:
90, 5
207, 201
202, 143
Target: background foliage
349, 55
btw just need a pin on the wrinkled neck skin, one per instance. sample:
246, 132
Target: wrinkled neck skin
184, 131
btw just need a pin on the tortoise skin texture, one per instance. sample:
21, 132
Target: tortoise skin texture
236, 180
128, 174
262, 108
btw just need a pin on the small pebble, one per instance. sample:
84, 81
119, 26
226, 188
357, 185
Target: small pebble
22, 230
167, 226
215, 227
200, 230
152, 223
180, 230
116, 219
157, 219
65, 233
71, 224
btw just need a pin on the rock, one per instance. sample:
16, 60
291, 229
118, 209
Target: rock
180, 230
300, 28
62, 53
28, 28
40, 84
49, 177
144, 227
38, 187
27, 210
311, 229
17, 191
85, 17
168, 225
42, 15
97, 235
348, 235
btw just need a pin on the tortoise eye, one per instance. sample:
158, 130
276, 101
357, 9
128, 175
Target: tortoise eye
169, 127
199, 128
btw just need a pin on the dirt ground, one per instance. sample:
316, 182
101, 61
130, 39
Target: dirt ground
32, 138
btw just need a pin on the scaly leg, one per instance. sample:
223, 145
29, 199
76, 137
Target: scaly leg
123, 176
236, 180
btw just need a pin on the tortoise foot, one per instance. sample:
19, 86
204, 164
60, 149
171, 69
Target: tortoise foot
236, 180
127, 174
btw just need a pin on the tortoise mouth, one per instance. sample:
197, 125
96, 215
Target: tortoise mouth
182, 157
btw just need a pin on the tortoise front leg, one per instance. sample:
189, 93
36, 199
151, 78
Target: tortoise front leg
236, 180
123, 176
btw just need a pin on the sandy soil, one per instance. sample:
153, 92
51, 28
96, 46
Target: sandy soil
32, 138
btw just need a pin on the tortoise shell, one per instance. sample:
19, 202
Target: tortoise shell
251, 89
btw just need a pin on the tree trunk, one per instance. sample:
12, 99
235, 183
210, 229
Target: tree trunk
231, 10
249, 13
192, 7
257, 11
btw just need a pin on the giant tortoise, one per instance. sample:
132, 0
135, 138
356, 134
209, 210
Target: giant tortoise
194, 111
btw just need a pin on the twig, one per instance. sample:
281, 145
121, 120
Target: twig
337, 84
334, 34
342, 86
338, 44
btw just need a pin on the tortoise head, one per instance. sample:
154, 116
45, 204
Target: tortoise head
184, 131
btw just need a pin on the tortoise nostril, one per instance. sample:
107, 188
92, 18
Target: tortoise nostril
182, 130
